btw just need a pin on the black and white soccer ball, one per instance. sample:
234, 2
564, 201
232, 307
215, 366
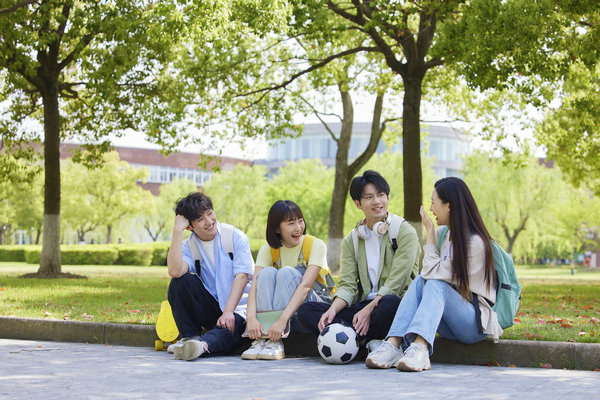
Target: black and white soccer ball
337, 344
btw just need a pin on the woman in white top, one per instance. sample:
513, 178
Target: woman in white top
441, 298
285, 277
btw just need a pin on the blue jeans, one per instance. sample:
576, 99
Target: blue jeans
431, 306
275, 288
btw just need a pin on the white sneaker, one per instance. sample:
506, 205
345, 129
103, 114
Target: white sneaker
373, 344
416, 358
272, 350
254, 350
385, 356
190, 350
172, 347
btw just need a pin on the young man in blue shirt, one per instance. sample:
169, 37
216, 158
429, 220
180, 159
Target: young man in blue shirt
209, 287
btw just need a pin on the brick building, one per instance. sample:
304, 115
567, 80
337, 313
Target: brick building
164, 169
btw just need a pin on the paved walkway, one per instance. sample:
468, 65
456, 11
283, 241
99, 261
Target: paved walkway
52, 370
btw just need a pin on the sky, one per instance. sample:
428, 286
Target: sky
257, 149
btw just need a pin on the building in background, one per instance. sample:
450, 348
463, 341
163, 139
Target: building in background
445, 144
165, 169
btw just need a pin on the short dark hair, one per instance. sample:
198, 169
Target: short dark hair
357, 186
193, 206
282, 210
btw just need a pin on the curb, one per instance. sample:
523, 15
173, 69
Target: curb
519, 353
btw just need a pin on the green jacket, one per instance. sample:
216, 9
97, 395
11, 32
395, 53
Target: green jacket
396, 270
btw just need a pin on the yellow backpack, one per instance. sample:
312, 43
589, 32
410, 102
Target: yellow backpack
324, 286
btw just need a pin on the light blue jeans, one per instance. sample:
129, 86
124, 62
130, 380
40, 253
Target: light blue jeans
431, 306
275, 288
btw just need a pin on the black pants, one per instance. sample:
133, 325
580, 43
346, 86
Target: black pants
194, 308
382, 316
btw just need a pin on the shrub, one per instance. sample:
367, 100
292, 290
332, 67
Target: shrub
13, 252
160, 250
33, 255
134, 254
77, 254
88, 255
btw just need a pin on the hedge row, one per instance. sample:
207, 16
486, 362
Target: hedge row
101, 254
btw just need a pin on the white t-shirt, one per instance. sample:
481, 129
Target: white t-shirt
209, 250
373, 249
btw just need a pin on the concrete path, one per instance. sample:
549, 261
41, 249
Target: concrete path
57, 370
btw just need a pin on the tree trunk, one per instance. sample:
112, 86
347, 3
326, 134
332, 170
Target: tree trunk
50, 262
109, 233
343, 175
511, 239
344, 172
37, 236
411, 152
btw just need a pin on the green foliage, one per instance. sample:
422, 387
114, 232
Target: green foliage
238, 197
309, 184
77, 254
134, 255
160, 250
101, 254
105, 55
530, 210
12, 253
102, 196
158, 216
510, 199
571, 133
576, 214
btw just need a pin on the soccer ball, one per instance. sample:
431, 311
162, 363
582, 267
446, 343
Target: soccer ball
337, 344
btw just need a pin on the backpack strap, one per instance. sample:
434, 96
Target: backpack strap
441, 237
307, 244
227, 238
275, 256
306, 248
196, 253
394, 229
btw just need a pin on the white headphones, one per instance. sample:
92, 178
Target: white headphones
379, 228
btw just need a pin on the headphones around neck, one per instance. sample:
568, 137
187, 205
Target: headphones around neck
380, 228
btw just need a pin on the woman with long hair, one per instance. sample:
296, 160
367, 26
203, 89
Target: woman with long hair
290, 268
455, 291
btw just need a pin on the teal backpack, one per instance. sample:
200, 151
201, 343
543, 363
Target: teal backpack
508, 288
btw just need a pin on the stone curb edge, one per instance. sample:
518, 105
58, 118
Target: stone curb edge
520, 353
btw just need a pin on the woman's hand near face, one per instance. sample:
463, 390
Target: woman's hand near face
427, 222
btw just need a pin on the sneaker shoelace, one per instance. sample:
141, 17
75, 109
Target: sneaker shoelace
412, 350
384, 348
271, 345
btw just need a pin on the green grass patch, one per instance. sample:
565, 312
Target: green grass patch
555, 305
119, 294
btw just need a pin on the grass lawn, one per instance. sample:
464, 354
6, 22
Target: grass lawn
558, 306
121, 294
555, 305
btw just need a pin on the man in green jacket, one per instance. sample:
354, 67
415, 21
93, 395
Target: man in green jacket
375, 271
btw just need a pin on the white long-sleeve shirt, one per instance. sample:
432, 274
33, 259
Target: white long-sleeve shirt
434, 267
